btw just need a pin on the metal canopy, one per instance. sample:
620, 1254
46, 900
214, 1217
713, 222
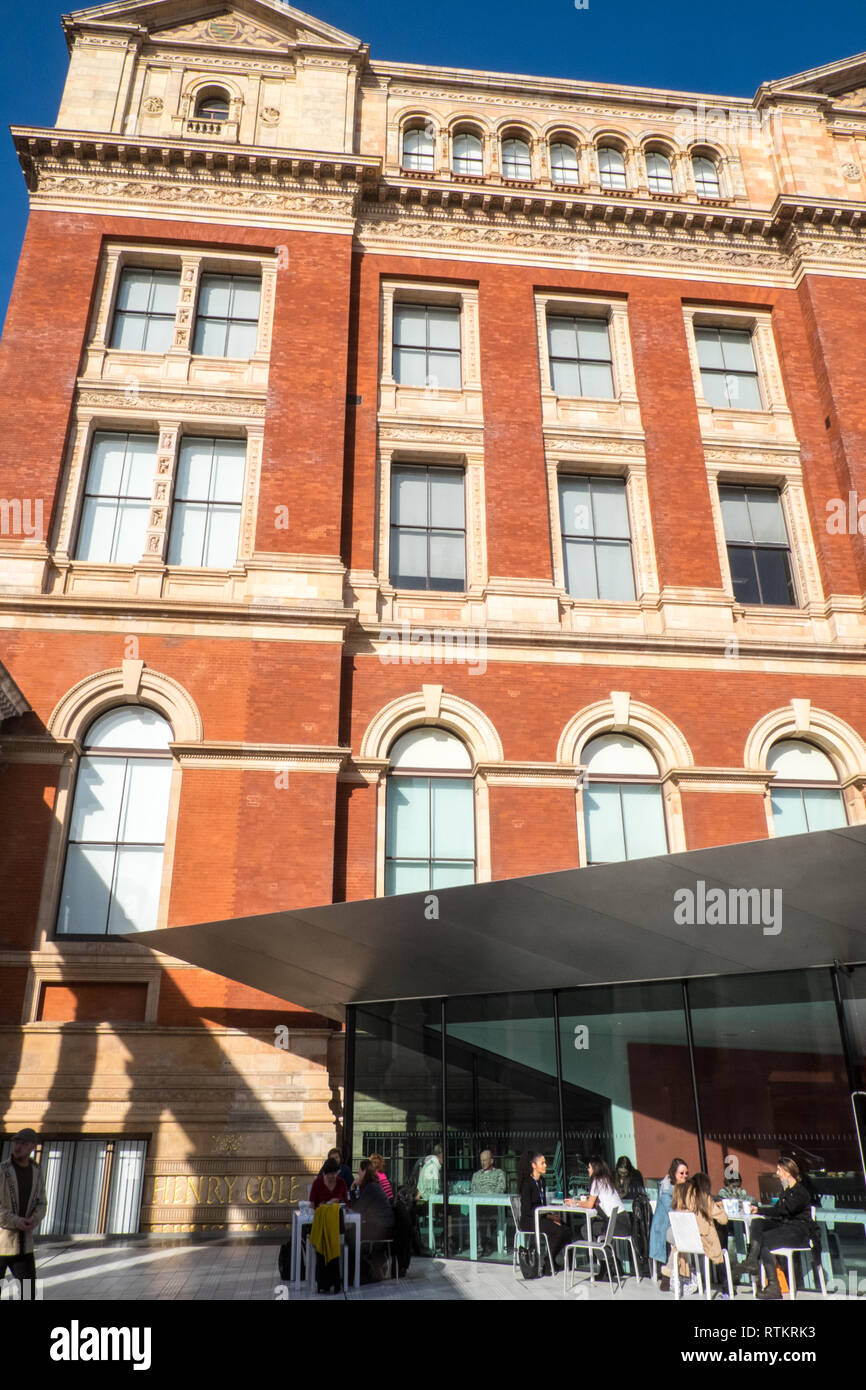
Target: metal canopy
602, 925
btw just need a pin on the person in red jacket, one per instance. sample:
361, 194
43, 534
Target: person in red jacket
329, 1186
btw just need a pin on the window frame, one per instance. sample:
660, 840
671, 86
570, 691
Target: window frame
712, 160
427, 467
606, 175
210, 506
660, 154
787, 549
619, 781
118, 498
147, 315
516, 138
230, 320
725, 371
571, 472
576, 320
454, 157
396, 347
430, 776
418, 128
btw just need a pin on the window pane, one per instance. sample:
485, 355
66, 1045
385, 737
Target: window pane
774, 573
453, 819
447, 560
215, 295
410, 325
563, 163
743, 574
793, 759
735, 514
134, 290
596, 380
443, 370
241, 339
145, 804
98, 793
210, 338
140, 466
444, 328
163, 297
194, 470
186, 540
129, 726
765, 511
592, 339
644, 817
618, 753
605, 843
430, 747
743, 392
227, 481
789, 814
107, 458
615, 576
129, 332
737, 350
565, 378
825, 809
709, 348
86, 889
406, 876
410, 366
131, 532
447, 498
580, 569
609, 507
407, 832
96, 537
450, 875
409, 558
223, 533
575, 506
158, 335
135, 901
409, 498
562, 336
715, 386
246, 296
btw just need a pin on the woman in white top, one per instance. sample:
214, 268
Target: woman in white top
604, 1199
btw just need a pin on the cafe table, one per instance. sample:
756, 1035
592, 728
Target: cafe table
469, 1202
559, 1208
301, 1221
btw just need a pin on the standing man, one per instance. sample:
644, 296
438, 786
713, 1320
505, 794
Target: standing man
22, 1207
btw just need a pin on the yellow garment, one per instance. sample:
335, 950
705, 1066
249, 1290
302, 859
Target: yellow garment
325, 1235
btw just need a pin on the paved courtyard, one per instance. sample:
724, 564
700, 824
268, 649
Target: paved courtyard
246, 1269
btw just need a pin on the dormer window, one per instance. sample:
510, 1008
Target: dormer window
212, 106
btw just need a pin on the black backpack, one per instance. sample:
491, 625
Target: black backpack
641, 1221
284, 1261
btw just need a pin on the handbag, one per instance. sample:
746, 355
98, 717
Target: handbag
527, 1258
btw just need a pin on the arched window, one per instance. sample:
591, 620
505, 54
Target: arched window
706, 177
467, 154
419, 149
116, 838
611, 167
430, 816
659, 172
805, 792
212, 106
516, 160
622, 800
564, 167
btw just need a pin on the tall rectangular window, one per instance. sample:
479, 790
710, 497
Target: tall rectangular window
428, 529
430, 833
729, 374
145, 309
596, 540
227, 322
580, 360
758, 548
206, 516
427, 346
117, 498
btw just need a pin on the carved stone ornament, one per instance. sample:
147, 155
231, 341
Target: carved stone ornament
270, 115
154, 106
851, 171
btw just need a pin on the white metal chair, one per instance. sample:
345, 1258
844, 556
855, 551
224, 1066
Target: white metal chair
629, 1240
522, 1238
310, 1262
687, 1241
788, 1252
603, 1247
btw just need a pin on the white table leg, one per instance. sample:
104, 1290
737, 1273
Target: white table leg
473, 1230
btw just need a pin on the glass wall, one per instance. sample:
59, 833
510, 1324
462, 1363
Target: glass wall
726, 1073
627, 1085
92, 1186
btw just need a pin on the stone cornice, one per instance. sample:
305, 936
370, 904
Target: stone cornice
12, 702
316, 613
291, 757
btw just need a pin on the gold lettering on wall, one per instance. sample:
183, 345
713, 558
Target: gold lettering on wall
220, 1190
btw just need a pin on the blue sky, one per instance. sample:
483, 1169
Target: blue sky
727, 48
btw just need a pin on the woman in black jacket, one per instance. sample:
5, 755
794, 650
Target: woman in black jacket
789, 1223
533, 1193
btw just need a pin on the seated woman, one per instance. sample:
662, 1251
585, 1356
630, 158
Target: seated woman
329, 1186
628, 1180
605, 1199
788, 1223
696, 1196
378, 1162
531, 1169
677, 1173
377, 1214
